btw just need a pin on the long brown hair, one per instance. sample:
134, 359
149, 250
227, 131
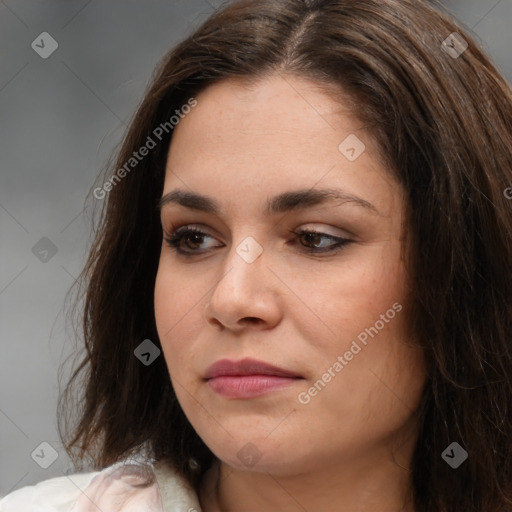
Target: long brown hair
441, 115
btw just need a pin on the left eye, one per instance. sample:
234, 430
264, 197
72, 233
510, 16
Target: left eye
315, 237
311, 241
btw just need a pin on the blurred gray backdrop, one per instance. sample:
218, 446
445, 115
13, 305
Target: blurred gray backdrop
71, 75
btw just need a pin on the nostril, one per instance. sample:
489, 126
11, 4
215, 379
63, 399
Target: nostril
252, 320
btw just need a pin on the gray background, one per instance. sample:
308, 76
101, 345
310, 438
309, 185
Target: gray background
61, 118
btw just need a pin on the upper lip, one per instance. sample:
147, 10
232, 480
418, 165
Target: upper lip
245, 366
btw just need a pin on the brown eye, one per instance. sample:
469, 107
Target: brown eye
311, 238
192, 239
312, 241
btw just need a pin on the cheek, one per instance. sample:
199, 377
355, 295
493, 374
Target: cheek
363, 314
177, 296
338, 305
177, 306
376, 390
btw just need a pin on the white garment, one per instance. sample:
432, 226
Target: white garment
123, 487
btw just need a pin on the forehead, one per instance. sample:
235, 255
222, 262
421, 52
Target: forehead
264, 137
282, 104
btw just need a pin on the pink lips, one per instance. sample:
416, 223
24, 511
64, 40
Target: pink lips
247, 378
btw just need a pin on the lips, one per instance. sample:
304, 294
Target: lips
245, 367
248, 379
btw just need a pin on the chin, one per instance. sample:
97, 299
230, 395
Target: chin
260, 455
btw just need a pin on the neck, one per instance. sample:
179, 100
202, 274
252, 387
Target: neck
363, 485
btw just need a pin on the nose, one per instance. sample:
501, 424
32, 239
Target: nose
246, 295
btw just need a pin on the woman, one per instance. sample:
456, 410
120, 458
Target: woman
299, 297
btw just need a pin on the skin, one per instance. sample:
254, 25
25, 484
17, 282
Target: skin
349, 448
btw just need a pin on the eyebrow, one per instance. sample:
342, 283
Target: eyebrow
287, 201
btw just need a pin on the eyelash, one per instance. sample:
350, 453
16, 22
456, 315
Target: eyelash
175, 238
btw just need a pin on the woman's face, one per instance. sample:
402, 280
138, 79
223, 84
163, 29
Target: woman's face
329, 308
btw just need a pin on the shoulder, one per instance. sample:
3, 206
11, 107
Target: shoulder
55, 495
118, 488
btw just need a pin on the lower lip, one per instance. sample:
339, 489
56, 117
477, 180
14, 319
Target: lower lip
248, 386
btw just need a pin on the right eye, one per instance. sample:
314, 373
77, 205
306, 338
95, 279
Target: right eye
191, 238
